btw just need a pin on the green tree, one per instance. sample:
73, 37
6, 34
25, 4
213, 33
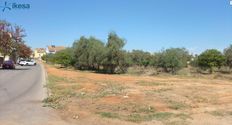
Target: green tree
49, 58
81, 53
64, 57
210, 58
228, 56
114, 56
173, 59
89, 53
140, 58
96, 53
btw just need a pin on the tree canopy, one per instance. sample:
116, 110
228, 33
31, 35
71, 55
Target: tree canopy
211, 58
228, 56
11, 40
173, 59
140, 58
114, 55
90, 53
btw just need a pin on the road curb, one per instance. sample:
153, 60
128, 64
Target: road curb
44, 82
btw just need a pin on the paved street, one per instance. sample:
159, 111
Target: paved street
21, 93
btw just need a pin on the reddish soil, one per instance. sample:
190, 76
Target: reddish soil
204, 100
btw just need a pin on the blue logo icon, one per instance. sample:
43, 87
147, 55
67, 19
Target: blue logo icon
6, 6
14, 6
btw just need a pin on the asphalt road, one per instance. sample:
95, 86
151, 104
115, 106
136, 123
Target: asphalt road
21, 95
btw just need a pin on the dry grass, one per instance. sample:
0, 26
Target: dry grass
168, 100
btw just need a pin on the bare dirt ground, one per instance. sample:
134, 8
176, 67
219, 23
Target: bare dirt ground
101, 99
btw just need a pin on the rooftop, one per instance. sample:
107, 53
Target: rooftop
40, 50
55, 48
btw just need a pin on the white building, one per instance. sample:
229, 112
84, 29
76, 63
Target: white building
53, 49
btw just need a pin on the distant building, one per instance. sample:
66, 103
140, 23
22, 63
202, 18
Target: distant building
39, 52
53, 49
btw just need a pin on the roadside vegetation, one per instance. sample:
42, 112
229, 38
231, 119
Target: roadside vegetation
12, 43
95, 55
82, 87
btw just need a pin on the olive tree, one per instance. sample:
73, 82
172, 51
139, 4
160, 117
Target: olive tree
64, 57
173, 59
114, 55
210, 59
89, 53
81, 54
140, 58
228, 56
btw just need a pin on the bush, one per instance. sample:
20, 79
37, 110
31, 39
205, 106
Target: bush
173, 59
49, 58
140, 58
210, 59
64, 57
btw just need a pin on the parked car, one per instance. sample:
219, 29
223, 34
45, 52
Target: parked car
8, 64
27, 63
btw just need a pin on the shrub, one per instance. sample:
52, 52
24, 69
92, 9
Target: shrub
210, 59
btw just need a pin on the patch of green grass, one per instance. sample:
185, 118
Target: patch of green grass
177, 105
134, 108
141, 117
147, 83
161, 115
137, 118
109, 114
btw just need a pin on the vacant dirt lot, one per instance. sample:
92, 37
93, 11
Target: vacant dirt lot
91, 98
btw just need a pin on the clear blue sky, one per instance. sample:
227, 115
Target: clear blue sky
145, 24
